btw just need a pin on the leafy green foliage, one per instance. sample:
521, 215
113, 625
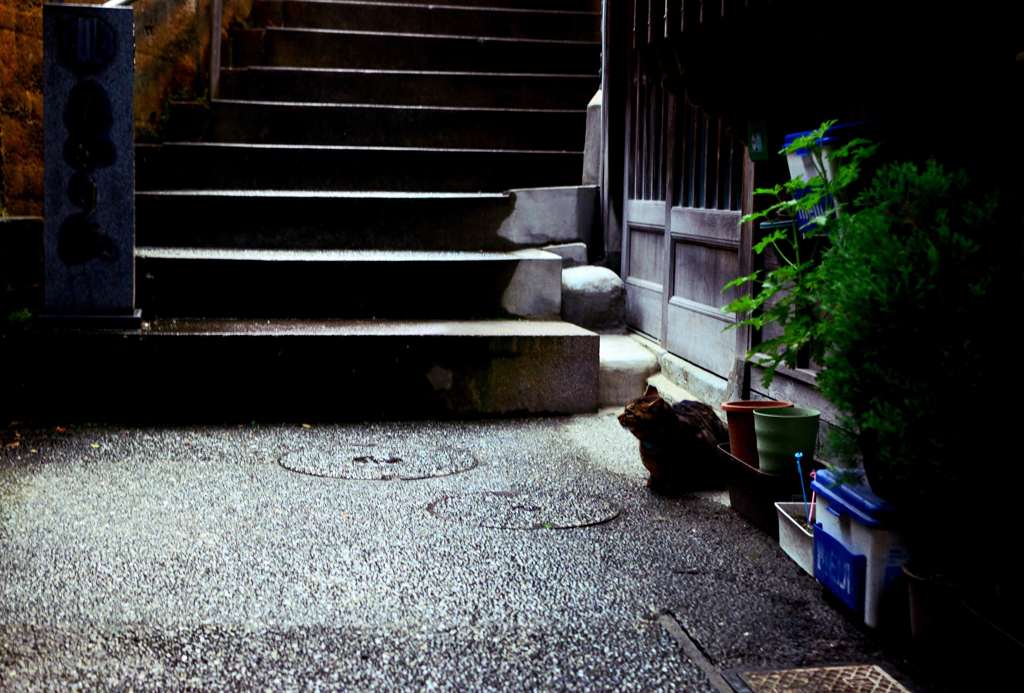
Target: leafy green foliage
905, 292
19, 316
786, 296
901, 292
889, 291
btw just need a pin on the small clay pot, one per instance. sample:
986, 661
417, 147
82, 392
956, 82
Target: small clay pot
740, 415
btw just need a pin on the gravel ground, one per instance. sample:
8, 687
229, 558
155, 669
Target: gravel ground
190, 558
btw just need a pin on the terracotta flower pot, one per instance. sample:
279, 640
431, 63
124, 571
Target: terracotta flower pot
740, 415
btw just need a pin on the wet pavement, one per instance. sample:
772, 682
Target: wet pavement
501, 555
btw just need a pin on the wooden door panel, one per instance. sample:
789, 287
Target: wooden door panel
701, 271
697, 336
716, 224
646, 261
644, 307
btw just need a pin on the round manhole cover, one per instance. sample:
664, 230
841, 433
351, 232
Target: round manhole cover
537, 509
378, 463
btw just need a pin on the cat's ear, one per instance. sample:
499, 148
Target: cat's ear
651, 391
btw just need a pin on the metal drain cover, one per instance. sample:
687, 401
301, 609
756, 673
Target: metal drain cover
845, 679
378, 463
537, 509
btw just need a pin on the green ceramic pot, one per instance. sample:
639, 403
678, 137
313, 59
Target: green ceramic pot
781, 433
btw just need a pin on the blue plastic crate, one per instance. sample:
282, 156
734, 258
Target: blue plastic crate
805, 219
839, 570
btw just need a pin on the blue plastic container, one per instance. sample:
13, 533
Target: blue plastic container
840, 132
865, 526
839, 569
802, 164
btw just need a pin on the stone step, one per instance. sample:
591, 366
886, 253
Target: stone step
240, 370
239, 283
428, 19
625, 369
235, 166
311, 220
382, 126
322, 220
398, 51
408, 87
566, 5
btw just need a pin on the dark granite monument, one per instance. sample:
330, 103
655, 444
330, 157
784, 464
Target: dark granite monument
89, 155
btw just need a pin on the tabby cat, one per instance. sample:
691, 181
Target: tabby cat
677, 442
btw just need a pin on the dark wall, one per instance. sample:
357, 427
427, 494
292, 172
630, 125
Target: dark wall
935, 80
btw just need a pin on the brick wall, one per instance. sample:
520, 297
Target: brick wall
171, 59
21, 107
172, 43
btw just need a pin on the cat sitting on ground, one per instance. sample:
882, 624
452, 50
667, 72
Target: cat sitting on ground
677, 442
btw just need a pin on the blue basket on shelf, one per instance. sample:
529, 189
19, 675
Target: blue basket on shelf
801, 166
805, 218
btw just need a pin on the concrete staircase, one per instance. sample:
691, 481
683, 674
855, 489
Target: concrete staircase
353, 226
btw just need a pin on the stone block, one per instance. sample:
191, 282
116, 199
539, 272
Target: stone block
89, 154
572, 254
34, 107
592, 158
672, 393
24, 187
8, 67
29, 22
533, 291
28, 51
705, 386
7, 17
595, 298
625, 368
23, 139
543, 216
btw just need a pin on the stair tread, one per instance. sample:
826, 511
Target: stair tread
496, 327
203, 166
419, 35
591, 5
329, 194
440, 6
355, 148
398, 107
394, 71
321, 255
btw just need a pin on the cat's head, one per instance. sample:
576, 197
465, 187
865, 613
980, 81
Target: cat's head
647, 414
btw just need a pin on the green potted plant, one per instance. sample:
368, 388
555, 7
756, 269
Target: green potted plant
900, 296
912, 291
